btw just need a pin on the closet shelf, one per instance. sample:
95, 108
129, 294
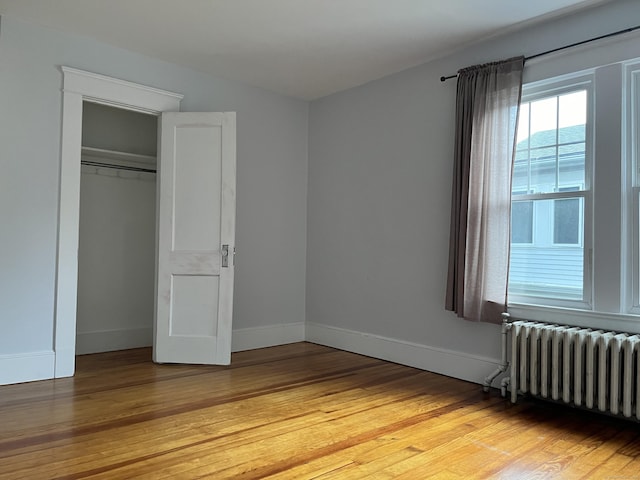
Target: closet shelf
114, 158
116, 155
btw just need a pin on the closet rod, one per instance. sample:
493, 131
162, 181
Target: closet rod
91, 163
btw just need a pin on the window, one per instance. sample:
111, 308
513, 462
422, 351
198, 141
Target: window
582, 266
548, 195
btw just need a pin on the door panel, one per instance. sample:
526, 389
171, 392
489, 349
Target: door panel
196, 218
197, 205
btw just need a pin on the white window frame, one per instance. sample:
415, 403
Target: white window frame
543, 89
631, 145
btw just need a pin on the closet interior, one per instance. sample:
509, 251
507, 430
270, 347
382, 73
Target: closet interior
116, 254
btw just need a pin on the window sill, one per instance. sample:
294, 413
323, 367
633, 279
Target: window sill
618, 322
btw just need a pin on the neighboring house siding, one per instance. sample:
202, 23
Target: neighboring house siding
558, 267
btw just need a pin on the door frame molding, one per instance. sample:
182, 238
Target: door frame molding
80, 86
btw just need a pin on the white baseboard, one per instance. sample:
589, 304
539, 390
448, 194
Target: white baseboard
111, 340
472, 368
269, 336
40, 365
26, 367
242, 339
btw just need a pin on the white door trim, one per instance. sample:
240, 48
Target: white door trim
79, 86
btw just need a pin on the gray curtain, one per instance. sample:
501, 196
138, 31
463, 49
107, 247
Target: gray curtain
487, 105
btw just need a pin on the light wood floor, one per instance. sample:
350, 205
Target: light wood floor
298, 411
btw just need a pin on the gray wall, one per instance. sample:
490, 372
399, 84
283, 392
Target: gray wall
271, 179
380, 168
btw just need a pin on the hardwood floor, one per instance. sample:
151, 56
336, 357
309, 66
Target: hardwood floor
298, 411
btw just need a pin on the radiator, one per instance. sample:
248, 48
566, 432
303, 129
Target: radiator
587, 368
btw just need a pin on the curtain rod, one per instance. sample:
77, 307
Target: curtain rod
613, 34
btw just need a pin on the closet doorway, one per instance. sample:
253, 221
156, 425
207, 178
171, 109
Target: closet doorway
195, 221
116, 250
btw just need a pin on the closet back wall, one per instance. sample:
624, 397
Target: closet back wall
116, 256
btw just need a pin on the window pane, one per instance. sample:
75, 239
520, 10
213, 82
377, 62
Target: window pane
523, 123
543, 169
572, 117
520, 181
544, 122
566, 221
542, 267
572, 134
522, 222
571, 166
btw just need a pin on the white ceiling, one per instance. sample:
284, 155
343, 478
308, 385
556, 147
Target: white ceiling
301, 48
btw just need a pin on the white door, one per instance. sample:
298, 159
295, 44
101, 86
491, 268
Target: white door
196, 238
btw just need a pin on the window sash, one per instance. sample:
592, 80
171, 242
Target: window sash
552, 294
